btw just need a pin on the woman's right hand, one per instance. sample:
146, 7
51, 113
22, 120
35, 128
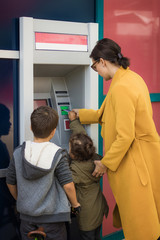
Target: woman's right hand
76, 111
72, 115
100, 169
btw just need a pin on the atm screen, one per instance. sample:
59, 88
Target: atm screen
40, 102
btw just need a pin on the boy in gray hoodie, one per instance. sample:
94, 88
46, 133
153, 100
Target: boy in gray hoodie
40, 180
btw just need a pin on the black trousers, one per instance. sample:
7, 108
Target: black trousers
91, 235
54, 231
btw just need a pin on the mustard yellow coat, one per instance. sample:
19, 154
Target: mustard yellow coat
132, 154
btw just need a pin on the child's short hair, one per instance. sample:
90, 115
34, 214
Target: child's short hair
81, 146
44, 120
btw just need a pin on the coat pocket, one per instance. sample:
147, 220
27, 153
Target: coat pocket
139, 161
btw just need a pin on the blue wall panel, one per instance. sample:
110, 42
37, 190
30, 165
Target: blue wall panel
70, 10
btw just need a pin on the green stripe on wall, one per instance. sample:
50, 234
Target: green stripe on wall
99, 19
115, 236
99, 16
155, 97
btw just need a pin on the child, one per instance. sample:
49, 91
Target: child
40, 180
89, 194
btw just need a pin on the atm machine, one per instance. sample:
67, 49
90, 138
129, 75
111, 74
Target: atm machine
55, 71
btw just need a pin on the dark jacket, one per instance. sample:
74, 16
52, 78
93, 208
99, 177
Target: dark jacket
89, 194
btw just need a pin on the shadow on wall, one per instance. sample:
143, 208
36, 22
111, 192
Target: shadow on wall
9, 223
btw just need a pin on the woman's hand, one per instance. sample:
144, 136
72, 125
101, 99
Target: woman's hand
100, 169
72, 115
76, 111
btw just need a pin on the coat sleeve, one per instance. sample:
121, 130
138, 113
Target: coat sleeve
88, 116
123, 102
76, 127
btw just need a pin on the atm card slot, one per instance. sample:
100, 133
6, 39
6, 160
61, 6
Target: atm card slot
66, 110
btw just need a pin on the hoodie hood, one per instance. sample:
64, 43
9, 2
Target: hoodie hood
38, 159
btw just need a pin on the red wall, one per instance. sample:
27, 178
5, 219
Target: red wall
135, 26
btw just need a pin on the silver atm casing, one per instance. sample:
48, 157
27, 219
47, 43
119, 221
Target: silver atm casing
45, 72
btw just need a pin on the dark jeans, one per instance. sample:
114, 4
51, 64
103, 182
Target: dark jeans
91, 235
54, 231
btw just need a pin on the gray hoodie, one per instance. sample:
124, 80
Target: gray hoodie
40, 170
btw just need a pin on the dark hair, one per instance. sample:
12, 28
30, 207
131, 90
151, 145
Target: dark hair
81, 146
110, 51
44, 120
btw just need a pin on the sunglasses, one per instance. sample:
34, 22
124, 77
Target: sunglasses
93, 66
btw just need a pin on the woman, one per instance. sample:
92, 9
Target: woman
132, 144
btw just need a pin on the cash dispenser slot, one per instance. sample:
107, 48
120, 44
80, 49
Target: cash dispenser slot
64, 103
